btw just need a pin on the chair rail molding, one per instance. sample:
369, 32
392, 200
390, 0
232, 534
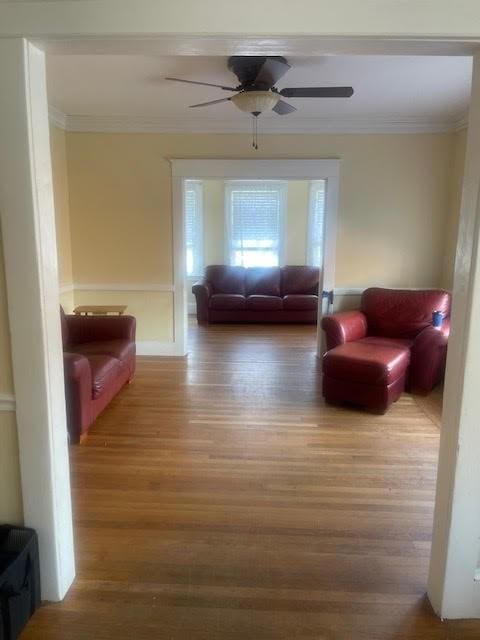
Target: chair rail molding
7, 402
357, 291
119, 286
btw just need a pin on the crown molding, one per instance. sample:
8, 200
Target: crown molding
241, 124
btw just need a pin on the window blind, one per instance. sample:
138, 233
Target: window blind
193, 203
255, 213
316, 223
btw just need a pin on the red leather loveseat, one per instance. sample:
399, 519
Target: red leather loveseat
257, 294
388, 345
98, 358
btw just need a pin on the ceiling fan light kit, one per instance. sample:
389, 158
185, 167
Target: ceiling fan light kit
257, 93
255, 101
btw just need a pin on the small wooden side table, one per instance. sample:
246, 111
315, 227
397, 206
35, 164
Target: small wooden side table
100, 309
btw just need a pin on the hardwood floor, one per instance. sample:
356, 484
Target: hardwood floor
219, 499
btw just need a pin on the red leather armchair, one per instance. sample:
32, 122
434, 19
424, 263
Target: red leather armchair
99, 359
389, 343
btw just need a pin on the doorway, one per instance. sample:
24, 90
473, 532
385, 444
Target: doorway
470, 207
320, 177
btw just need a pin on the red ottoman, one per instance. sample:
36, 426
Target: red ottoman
368, 372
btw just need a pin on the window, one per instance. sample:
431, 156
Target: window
316, 223
254, 216
193, 202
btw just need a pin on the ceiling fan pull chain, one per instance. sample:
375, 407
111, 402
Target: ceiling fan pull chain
254, 132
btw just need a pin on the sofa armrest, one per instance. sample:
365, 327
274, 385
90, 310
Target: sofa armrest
344, 327
428, 358
78, 394
100, 328
202, 290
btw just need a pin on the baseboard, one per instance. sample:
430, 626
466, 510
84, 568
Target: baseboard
157, 348
192, 308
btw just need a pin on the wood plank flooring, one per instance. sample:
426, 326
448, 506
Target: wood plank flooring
217, 498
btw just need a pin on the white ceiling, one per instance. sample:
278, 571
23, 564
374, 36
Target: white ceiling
387, 88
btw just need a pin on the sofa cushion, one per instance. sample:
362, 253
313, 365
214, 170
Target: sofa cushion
300, 280
226, 279
300, 302
367, 363
404, 313
105, 371
262, 281
264, 303
227, 301
120, 349
379, 341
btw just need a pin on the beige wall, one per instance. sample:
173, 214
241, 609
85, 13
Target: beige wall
62, 214
152, 309
120, 205
11, 509
58, 147
395, 204
451, 226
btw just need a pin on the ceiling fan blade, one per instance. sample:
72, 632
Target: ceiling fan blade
282, 108
317, 92
207, 104
270, 72
204, 84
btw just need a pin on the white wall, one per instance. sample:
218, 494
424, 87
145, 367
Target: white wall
318, 17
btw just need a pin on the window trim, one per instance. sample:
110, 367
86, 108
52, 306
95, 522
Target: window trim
282, 186
309, 253
197, 187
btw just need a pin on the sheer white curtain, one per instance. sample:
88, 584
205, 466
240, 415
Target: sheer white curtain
316, 223
255, 212
193, 204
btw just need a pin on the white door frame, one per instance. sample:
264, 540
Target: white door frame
67, 26
28, 229
246, 169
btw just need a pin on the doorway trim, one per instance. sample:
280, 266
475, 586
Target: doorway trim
30, 255
245, 169
424, 39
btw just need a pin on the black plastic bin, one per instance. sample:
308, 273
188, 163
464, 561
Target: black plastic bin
19, 579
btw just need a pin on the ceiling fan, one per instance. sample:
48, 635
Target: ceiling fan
257, 92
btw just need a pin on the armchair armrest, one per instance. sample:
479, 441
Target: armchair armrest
428, 358
346, 326
78, 393
92, 328
202, 290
